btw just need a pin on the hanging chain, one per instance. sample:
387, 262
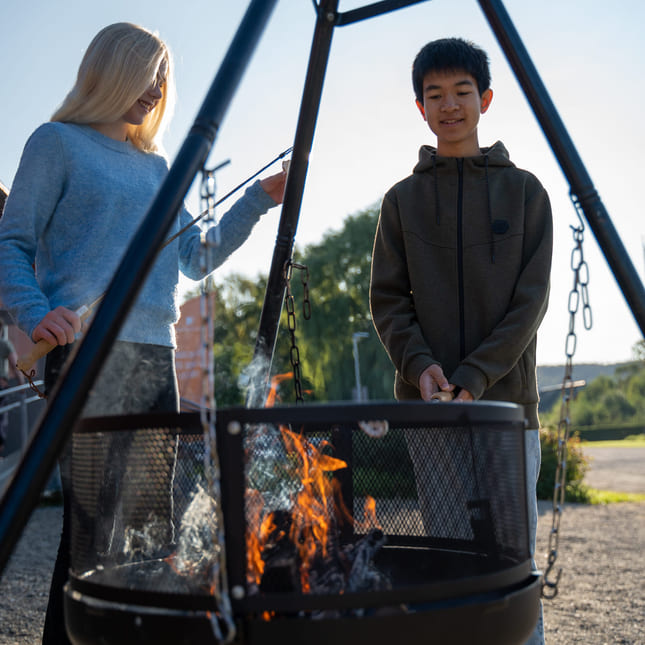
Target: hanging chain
294, 353
578, 294
224, 615
207, 196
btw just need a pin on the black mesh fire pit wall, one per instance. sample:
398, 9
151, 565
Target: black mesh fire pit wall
344, 523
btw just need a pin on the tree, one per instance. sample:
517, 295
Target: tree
339, 275
617, 399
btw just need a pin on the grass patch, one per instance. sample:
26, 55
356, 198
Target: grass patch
596, 496
634, 440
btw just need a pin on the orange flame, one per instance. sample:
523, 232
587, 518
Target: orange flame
315, 509
273, 392
312, 509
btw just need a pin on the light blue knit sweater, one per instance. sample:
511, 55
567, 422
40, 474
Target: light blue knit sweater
77, 199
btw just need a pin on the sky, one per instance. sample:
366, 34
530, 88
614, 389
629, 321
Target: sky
589, 54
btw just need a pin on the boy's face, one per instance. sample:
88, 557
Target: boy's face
452, 107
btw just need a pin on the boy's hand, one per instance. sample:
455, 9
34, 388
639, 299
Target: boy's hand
464, 395
432, 380
58, 327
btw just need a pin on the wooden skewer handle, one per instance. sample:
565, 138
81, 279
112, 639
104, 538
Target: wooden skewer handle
41, 348
26, 363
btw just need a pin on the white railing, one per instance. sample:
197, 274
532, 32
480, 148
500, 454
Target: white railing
23, 403
9, 402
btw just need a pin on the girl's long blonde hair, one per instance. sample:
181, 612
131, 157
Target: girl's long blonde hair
121, 62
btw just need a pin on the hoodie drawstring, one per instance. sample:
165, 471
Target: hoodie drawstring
436, 189
490, 212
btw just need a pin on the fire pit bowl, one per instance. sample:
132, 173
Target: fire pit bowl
352, 524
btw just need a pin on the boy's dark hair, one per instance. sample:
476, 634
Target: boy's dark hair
451, 55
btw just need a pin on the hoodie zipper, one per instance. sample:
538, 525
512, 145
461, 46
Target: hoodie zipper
460, 257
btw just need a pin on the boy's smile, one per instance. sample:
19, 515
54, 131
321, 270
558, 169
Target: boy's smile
452, 107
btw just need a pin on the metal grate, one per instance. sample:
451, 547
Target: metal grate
449, 486
134, 480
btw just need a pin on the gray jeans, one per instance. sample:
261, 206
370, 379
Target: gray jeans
533, 461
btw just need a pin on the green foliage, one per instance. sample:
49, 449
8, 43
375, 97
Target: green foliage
339, 270
610, 497
339, 274
639, 350
235, 329
382, 467
609, 400
577, 466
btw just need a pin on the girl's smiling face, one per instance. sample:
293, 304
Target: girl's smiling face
148, 100
137, 113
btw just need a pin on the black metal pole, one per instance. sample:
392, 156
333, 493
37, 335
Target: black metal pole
275, 290
372, 10
66, 401
574, 170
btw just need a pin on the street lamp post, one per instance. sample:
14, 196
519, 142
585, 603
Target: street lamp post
356, 336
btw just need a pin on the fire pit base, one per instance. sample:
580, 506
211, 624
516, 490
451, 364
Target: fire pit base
500, 617
90, 621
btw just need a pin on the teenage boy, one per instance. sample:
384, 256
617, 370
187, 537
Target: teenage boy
462, 256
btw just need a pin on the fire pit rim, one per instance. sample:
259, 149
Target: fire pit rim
413, 412
437, 413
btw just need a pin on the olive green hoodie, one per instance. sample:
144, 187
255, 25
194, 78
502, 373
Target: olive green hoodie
460, 275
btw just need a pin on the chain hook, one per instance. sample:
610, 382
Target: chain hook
548, 584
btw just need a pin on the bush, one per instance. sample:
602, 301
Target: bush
577, 466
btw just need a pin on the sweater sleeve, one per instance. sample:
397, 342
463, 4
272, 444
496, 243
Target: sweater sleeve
503, 347
36, 190
392, 301
199, 250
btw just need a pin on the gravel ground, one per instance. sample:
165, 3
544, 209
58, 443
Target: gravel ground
600, 600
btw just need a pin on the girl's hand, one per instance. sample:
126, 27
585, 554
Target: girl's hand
58, 327
273, 186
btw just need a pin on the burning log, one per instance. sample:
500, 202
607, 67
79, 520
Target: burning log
280, 556
295, 548
364, 576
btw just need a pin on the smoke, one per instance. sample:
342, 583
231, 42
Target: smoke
198, 551
254, 378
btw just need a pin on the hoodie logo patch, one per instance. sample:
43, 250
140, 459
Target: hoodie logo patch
500, 226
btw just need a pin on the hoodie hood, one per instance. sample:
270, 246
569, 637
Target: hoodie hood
495, 155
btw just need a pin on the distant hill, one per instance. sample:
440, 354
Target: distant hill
550, 376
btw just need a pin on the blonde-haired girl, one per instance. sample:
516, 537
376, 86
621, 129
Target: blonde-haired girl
84, 183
